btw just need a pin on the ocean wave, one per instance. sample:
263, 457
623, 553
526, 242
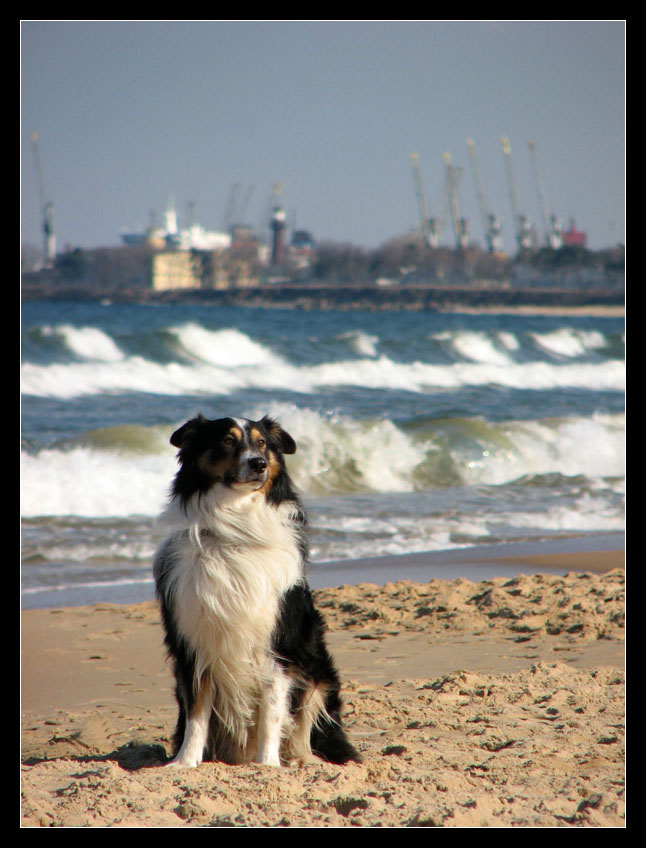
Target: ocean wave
365, 344
228, 348
84, 481
570, 343
481, 347
225, 361
127, 470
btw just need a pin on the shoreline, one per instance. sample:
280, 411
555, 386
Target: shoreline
476, 562
494, 703
597, 552
618, 311
370, 298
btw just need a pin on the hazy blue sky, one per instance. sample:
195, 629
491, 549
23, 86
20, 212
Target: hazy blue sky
130, 113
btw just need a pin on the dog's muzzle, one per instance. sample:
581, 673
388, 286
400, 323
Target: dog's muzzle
253, 470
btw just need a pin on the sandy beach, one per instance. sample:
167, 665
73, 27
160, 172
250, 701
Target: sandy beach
474, 704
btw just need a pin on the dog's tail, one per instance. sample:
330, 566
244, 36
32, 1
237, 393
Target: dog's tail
331, 744
328, 739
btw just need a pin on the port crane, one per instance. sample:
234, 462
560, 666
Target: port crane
428, 226
236, 210
553, 237
521, 223
459, 224
490, 222
227, 219
47, 207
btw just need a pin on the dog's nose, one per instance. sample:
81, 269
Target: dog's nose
257, 464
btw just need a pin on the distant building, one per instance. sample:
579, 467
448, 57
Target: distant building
302, 240
170, 235
302, 250
200, 269
278, 226
573, 237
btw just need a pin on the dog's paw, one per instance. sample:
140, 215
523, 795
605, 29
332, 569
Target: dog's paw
268, 760
183, 762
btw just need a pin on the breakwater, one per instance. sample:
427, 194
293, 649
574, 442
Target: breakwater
350, 297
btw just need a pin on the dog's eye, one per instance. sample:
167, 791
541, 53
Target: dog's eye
261, 443
229, 441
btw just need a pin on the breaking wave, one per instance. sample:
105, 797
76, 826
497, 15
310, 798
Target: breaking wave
191, 359
127, 470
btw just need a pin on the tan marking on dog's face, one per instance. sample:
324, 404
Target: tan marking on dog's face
236, 432
258, 438
273, 467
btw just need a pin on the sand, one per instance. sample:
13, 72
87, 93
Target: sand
474, 704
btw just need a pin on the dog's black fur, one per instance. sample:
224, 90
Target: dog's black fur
237, 465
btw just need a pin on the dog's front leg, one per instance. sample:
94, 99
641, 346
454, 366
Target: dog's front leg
197, 728
273, 716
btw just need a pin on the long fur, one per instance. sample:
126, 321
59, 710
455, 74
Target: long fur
254, 678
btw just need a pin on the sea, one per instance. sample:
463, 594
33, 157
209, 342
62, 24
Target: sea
417, 432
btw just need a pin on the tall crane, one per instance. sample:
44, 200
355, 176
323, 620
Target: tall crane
459, 224
553, 237
235, 211
47, 207
229, 212
522, 225
242, 211
490, 222
428, 226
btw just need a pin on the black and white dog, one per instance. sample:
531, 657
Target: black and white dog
254, 678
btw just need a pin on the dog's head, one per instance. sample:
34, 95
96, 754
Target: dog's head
235, 452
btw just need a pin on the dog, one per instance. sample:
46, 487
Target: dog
255, 681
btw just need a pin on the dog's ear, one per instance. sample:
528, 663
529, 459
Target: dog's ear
180, 436
278, 435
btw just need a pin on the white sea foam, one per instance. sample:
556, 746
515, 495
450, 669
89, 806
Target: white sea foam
480, 347
228, 360
336, 454
594, 447
568, 342
224, 348
361, 342
508, 340
87, 342
94, 483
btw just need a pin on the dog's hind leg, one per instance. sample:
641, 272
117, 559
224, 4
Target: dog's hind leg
273, 717
196, 728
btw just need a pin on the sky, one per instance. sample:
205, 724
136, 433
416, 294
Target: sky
134, 115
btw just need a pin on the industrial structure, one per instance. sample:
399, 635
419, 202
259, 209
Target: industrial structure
573, 237
551, 223
522, 225
238, 255
524, 232
47, 207
428, 226
490, 222
278, 225
169, 235
460, 230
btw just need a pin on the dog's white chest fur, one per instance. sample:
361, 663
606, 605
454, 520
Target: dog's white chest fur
234, 558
